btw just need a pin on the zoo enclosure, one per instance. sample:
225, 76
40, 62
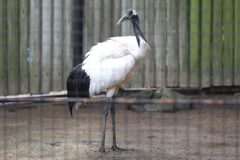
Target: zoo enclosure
186, 49
194, 42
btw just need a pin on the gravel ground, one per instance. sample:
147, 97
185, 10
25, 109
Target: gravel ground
47, 131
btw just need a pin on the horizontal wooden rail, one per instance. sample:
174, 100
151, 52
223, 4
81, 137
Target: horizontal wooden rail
121, 100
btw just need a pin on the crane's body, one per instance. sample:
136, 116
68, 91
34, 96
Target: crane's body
111, 63
108, 65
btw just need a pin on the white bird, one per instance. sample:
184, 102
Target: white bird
108, 65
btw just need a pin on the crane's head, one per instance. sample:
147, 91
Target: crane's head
131, 15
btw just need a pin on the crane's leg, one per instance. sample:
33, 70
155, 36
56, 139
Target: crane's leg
114, 146
104, 113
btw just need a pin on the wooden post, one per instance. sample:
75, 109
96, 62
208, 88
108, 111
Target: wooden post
150, 76
97, 21
172, 44
13, 47
85, 29
35, 49
67, 40
138, 80
217, 44
126, 27
57, 46
79, 32
194, 43
236, 43
206, 43
228, 25
46, 45
3, 48
107, 12
23, 58
183, 43
117, 14
88, 26
161, 42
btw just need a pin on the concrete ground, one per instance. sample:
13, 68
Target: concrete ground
47, 131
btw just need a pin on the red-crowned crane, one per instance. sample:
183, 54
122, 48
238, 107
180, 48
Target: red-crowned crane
108, 65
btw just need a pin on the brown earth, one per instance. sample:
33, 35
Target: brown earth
46, 131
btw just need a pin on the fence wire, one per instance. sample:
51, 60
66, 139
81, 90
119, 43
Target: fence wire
194, 44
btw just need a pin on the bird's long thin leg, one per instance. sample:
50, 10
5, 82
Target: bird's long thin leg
114, 146
104, 113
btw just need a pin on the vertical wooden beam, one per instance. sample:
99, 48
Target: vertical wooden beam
150, 76
228, 25
3, 48
138, 80
88, 26
35, 43
57, 69
217, 44
78, 32
161, 42
194, 43
23, 58
206, 43
172, 44
236, 43
97, 21
116, 15
85, 28
13, 47
107, 18
46, 44
67, 40
126, 27
183, 43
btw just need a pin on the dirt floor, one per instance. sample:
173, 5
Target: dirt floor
47, 131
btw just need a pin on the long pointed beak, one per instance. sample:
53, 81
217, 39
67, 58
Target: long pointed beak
124, 18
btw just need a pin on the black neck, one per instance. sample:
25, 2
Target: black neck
137, 31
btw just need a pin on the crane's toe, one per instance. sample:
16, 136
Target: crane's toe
115, 148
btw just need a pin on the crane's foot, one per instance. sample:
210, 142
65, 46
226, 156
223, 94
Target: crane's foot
102, 150
115, 148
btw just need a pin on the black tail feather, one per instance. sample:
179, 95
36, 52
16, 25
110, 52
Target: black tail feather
70, 105
77, 85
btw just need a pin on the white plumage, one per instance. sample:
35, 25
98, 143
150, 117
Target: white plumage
111, 63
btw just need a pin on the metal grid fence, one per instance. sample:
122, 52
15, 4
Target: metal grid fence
45, 129
40, 41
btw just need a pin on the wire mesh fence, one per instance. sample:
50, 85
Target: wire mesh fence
210, 130
194, 45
